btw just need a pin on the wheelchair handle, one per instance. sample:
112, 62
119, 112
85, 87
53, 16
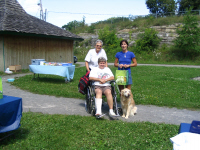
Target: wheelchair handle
112, 81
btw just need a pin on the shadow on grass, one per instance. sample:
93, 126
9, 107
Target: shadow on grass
50, 80
12, 137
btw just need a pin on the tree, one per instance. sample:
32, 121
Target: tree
188, 40
186, 4
73, 25
161, 6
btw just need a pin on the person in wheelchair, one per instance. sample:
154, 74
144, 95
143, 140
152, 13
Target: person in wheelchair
101, 76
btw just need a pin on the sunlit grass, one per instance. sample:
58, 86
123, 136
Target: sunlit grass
152, 85
42, 131
167, 86
161, 86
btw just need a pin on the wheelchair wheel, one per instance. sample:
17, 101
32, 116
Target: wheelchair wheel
93, 112
86, 107
115, 108
88, 103
120, 111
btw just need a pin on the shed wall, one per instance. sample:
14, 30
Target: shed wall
19, 50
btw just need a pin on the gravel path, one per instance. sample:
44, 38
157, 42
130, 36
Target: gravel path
70, 106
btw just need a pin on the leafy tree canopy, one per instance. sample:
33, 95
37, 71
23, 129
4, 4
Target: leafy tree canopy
161, 6
186, 4
188, 37
73, 25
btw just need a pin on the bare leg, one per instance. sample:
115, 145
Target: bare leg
128, 86
98, 93
109, 98
121, 87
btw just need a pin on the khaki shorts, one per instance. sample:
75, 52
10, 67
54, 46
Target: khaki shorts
102, 88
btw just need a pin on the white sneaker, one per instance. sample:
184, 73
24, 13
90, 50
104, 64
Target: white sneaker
112, 114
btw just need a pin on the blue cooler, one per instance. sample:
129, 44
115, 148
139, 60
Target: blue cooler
36, 61
66, 64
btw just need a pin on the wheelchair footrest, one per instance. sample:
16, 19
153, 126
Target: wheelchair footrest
99, 116
115, 116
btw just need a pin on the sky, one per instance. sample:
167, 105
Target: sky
61, 12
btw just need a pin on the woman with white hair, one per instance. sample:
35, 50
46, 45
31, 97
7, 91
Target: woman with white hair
91, 59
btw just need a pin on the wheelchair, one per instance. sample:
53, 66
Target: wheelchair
90, 99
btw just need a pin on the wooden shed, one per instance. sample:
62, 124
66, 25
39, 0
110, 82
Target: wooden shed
24, 37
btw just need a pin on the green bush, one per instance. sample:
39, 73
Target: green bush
111, 42
147, 41
91, 29
187, 43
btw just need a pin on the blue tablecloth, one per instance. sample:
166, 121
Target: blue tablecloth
10, 113
64, 71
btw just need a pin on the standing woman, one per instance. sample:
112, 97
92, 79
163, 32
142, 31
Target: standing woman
123, 60
91, 59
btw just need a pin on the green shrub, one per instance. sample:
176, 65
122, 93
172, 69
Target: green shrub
110, 40
147, 41
187, 43
91, 29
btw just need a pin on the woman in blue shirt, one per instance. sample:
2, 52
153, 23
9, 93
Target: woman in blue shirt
123, 60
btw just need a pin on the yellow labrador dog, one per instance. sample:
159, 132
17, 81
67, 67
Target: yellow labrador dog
127, 103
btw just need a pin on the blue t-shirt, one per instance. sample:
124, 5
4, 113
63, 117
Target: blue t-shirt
125, 58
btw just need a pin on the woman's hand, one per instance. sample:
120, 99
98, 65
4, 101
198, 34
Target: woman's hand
121, 65
126, 66
102, 81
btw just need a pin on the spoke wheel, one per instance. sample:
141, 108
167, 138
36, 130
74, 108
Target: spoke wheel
93, 112
115, 109
88, 102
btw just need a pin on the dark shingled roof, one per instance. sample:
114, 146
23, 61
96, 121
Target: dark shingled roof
13, 18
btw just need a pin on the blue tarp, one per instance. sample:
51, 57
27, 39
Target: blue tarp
10, 113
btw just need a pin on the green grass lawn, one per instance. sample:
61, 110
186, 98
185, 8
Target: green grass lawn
41, 131
160, 86
152, 85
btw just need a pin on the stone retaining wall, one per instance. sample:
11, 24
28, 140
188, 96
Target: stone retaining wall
166, 33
